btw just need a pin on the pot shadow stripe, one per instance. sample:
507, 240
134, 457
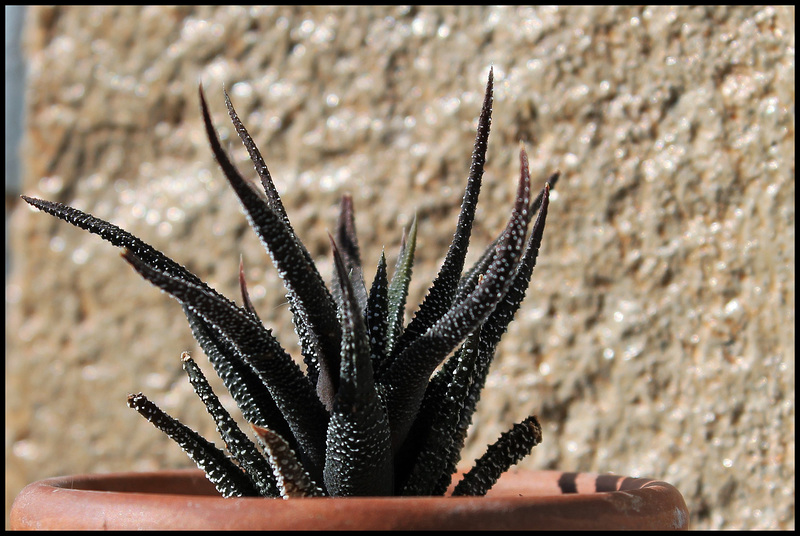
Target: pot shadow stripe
568, 482
607, 483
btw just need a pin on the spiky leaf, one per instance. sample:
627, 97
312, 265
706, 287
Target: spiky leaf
377, 315
248, 304
347, 240
505, 452
119, 237
436, 430
408, 375
398, 287
358, 458
273, 198
497, 323
292, 479
244, 385
440, 295
289, 387
308, 294
226, 476
237, 443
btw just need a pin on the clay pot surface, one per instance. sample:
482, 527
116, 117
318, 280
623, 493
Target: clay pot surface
184, 499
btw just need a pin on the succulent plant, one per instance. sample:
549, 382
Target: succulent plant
369, 414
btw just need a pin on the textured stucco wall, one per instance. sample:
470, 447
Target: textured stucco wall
658, 335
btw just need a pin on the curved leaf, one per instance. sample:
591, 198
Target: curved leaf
289, 387
377, 314
348, 248
440, 295
405, 381
398, 287
505, 452
436, 431
226, 476
237, 443
358, 459
291, 477
307, 292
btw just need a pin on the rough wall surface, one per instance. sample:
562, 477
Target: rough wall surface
658, 335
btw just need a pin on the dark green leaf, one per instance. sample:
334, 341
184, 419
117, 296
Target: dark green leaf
244, 385
377, 316
505, 452
497, 323
398, 287
440, 295
237, 443
438, 435
348, 247
293, 480
309, 297
261, 167
405, 381
358, 459
289, 387
226, 476
116, 236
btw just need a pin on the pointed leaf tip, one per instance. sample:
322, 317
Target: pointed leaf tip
292, 478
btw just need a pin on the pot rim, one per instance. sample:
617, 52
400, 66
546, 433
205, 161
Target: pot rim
520, 499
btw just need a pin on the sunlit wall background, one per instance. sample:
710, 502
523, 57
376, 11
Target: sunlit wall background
657, 338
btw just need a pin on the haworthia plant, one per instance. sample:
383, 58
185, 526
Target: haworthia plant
369, 413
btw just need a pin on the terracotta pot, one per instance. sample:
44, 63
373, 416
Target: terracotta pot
186, 500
